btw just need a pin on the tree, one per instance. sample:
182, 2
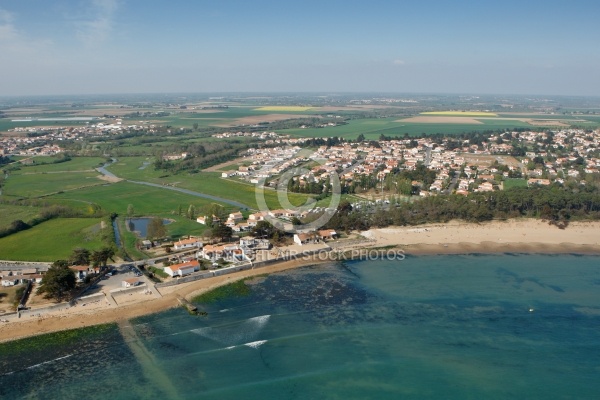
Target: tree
222, 231
101, 256
191, 213
264, 229
156, 229
130, 210
58, 281
80, 256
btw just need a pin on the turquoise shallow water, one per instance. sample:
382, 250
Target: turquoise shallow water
452, 327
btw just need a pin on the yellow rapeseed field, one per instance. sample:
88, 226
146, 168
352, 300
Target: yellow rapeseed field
461, 113
283, 108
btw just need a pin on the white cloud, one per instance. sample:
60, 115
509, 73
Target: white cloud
7, 29
97, 27
398, 62
13, 43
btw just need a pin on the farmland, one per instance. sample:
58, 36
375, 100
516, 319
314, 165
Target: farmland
284, 108
460, 113
52, 240
375, 127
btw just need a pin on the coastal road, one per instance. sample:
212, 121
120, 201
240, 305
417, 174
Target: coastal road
109, 174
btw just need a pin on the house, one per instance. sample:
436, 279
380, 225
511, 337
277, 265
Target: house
485, 187
236, 216
213, 252
305, 238
535, 181
81, 271
10, 280
203, 219
277, 213
327, 234
131, 282
187, 244
35, 278
243, 227
182, 269
254, 218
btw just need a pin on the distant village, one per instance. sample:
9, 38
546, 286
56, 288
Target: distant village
42, 141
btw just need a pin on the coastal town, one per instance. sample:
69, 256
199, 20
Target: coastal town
460, 167
566, 156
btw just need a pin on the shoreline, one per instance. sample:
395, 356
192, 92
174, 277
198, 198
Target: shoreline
453, 238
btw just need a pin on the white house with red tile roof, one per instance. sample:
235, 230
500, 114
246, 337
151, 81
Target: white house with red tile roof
190, 243
183, 269
131, 282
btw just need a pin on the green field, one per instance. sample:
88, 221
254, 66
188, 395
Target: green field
52, 240
116, 197
43, 164
10, 213
373, 128
514, 182
23, 184
203, 182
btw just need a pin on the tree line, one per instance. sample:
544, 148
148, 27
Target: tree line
556, 204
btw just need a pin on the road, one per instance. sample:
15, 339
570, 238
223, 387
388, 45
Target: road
452, 184
428, 156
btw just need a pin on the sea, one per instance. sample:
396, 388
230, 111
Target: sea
427, 327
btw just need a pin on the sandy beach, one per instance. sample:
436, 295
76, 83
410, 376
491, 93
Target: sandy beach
518, 236
514, 236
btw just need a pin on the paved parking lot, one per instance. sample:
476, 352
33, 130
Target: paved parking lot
121, 273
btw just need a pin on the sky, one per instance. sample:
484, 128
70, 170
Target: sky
152, 46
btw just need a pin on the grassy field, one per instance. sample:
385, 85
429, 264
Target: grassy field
203, 182
52, 240
75, 164
514, 182
83, 190
39, 184
145, 200
460, 113
10, 213
373, 128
